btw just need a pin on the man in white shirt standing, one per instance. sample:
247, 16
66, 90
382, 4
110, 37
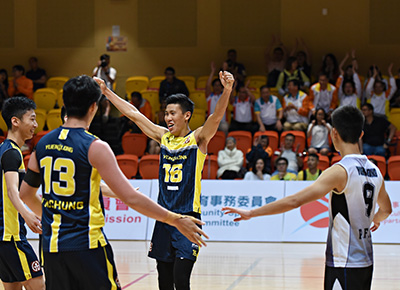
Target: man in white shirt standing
107, 73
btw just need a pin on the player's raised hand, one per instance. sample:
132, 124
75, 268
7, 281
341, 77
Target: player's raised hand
187, 225
244, 214
101, 83
227, 79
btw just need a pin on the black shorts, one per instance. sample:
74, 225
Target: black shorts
348, 278
18, 262
92, 269
168, 243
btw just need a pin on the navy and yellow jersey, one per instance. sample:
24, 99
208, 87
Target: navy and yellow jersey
72, 204
12, 225
181, 166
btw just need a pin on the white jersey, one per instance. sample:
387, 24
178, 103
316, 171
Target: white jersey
351, 213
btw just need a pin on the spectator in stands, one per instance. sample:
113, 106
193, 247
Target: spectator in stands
107, 73
260, 149
330, 68
296, 106
230, 161
324, 95
281, 165
243, 111
348, 84
303, 57
312, 172
171, 85
292, 155
20, 85
291, 73
268, 111
258, 172
143, 106
318, 131
36, 74
3, 86
275, 59
214, 90
236, 68
378, 95
375, 131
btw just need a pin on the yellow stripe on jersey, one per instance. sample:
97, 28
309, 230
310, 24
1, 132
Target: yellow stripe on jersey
110, 271
96, 217
63, 134
24, 263
22, 166
55, 228
197, 184
10, 216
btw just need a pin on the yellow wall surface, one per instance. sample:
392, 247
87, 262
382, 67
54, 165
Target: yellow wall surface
346, 26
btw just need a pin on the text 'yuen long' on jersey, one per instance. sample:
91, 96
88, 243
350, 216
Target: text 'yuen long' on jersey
181, 165
73, 211
351, 213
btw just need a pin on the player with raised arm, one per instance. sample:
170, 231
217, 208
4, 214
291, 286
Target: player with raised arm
181, 163
70, 162
354, 185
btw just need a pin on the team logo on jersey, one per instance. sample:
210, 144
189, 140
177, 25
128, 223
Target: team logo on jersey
315, 214
35, 266
187, 140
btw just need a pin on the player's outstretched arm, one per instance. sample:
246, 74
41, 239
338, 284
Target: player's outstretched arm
108, 168
333, 178
152, 130
205, 133
385, 208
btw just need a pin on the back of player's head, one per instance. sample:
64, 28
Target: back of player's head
186, 104
79, 93
16, 107
348, 122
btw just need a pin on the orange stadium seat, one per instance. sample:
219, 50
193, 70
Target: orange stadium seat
210, 167
273, 138
394, 167
134, 143
148, 166
38, 136
335, 158
300, 139
26, 160
128, 164
381, 163
216, 143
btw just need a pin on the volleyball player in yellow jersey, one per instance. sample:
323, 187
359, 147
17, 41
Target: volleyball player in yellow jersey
181, 163
77, 255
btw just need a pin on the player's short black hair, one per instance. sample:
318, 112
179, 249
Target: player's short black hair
349, 122
79, 93
186, 104
16, 107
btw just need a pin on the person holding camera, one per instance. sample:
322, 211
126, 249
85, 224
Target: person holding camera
107, 73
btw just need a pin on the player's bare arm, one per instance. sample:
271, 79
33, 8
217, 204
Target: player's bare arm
385, 208
108, 168
29, 193
152, 130
204, 134
31, 219
334, 178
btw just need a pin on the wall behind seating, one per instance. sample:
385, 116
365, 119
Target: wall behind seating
33, 27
